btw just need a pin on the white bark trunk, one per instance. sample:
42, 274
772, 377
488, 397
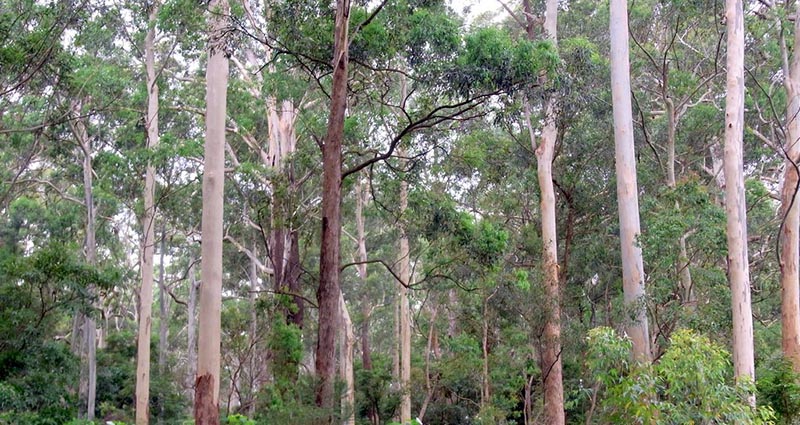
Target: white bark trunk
738, 267
627, 190
346, 365
551, 352
404, 262
208, 362
163, 304
191, 332
148, 230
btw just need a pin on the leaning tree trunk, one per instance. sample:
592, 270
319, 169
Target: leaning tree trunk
148, 224
738, 267
627, 191
790, 206
206, 403
328, 291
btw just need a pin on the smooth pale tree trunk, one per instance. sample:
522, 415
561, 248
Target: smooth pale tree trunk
452, 319
738, 267
163, 307
148, 230
346, 365
191, 332
328, 291
404, 263
429, 348
206, 402
551, 337
88, 347
89, 327
790, 206
627, 191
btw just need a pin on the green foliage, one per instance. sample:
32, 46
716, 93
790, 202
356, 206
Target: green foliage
689, 384
373, 388
432, 36
779, 388
492, 61
238, 420
287, 349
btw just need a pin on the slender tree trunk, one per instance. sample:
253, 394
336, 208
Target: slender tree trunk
328, 291
88, 330
148, 242
790, 206
366, 309
551, 337
206, 403
163, 318
403, 309
738, 267
163, 304
486, 385
682, 266
361, 236
429, 386
255, 358
191, 332
452, 319
298, 315
551, 354
627, 191
282, 143
346, 365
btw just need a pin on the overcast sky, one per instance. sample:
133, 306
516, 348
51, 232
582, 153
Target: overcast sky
477, 7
